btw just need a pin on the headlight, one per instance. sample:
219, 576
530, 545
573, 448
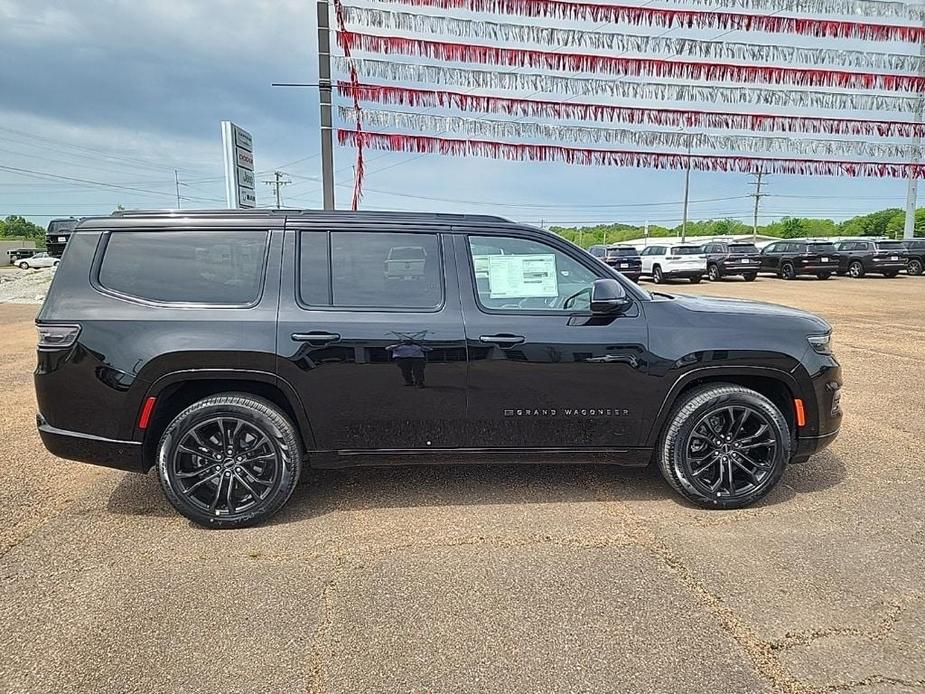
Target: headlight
821, 344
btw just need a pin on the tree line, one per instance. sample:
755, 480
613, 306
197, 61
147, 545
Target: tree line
18, 228
888, 223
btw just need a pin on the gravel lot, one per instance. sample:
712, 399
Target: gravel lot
503, 578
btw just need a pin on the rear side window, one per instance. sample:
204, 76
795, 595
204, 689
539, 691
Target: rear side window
890, 245
820, 248
196, 267
743, 248
370, 270
686, 250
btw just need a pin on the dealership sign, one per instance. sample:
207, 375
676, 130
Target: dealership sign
240, 182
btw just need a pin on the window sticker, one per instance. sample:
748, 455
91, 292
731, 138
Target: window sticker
522, 276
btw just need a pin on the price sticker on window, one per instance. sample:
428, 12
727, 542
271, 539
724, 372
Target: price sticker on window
522, 276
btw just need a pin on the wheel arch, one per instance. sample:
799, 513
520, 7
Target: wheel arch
778, 386
176, 391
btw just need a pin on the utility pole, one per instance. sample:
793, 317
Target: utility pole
912, 188
278, 183
687, 190
757, 195
324, 93
176, 178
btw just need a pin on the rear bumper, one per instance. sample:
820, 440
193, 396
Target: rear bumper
738, 268
671, 272
87, 448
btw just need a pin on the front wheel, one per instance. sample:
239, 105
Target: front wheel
24, 265
914, 267
891, 274
713, 272
787, 271
657, 275
695, 279
750, 276
725, 446
856, 269
823, 275
229, 461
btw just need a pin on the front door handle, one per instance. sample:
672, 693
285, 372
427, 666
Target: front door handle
615, 358
502, 340
315, 338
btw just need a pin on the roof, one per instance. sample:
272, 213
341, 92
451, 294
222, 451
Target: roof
242, 217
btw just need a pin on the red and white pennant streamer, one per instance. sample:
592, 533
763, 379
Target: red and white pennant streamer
850, 8
628, 67
506, 34
643, 90
423, 144
632, 115
667, 18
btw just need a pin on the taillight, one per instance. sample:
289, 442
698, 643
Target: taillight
57, 336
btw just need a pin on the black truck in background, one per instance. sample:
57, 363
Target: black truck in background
57, 235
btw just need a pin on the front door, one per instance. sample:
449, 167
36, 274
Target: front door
371, 336
543, 371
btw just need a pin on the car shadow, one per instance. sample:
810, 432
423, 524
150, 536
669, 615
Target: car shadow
321, 492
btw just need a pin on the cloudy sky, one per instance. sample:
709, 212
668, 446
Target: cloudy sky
101, 100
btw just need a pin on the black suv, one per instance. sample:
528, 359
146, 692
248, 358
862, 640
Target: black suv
788, 259
57, 235
624, 259
915, 251
861, 257
731, 258
230, 349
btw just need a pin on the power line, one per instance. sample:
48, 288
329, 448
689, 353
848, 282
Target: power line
757, 195
278, 183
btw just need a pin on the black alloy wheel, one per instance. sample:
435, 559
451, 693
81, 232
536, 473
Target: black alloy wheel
713, 272
229, 461
725, 447
787, 272
824, 275
914, 267
890, 274
750, 276
657, 275
856, 269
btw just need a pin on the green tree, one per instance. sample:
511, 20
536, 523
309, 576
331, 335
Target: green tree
20, 227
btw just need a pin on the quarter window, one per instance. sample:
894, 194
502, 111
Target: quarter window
525, 275
195, 267
370, 270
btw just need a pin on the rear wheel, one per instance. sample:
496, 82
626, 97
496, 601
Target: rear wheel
823, 275
713, 272
891, 274
856, 269
914, 267
229, 461
24, 265
725, 446
750, 276
657, 275
695, 279
787, 272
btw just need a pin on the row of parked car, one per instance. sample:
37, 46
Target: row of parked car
787, 259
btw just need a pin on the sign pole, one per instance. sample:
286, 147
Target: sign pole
324, 92
912, 188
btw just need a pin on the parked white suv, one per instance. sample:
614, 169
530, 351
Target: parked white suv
667, 261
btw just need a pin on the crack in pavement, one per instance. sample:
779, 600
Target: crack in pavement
870, 681
804, 638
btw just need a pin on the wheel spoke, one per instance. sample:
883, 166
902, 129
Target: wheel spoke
706, 466
767, 442
200, 442
740, 423
751, 437
249, 488
189, 490
218, 494
229, 499
751, 473
760, 466
192, 451
195, 473
256, 479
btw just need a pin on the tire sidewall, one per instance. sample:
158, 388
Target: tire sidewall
255, 411
915, 267
787, 271
672, 449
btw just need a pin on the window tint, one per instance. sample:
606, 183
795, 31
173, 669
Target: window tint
521, 274
821, 248
621, 251
685, 250
200, 267
370, 270
890, 245
743, 248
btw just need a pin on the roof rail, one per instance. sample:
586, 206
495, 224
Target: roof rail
364, 215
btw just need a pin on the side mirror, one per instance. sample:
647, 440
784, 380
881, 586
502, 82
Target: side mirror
609, 296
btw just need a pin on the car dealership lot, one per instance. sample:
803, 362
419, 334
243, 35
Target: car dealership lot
530, 578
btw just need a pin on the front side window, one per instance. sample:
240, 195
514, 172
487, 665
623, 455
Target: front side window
525, 275
370, 270
194, 267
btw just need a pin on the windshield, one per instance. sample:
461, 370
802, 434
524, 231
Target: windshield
621, 251
743, 248
820, 248
685, 250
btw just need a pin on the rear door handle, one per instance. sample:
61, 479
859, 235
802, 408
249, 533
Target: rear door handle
315, 338
502, 340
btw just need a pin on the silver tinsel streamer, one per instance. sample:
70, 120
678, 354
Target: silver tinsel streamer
622, 89
626, 44
483, 128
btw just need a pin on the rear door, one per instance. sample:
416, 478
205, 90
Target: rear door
371, 336
770, 257
544, 372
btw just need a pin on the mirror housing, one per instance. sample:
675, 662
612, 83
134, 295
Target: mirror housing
608, 296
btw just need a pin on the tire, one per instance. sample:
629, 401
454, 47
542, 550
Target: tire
891, 274
657, 275
914, 267
263, 471
24, 265
824, 275
856, 269
696, 279
750, 276
714, 273
719, 406
787, 272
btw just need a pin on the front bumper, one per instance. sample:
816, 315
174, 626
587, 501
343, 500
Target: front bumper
671, 272
810, 445
87, 448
